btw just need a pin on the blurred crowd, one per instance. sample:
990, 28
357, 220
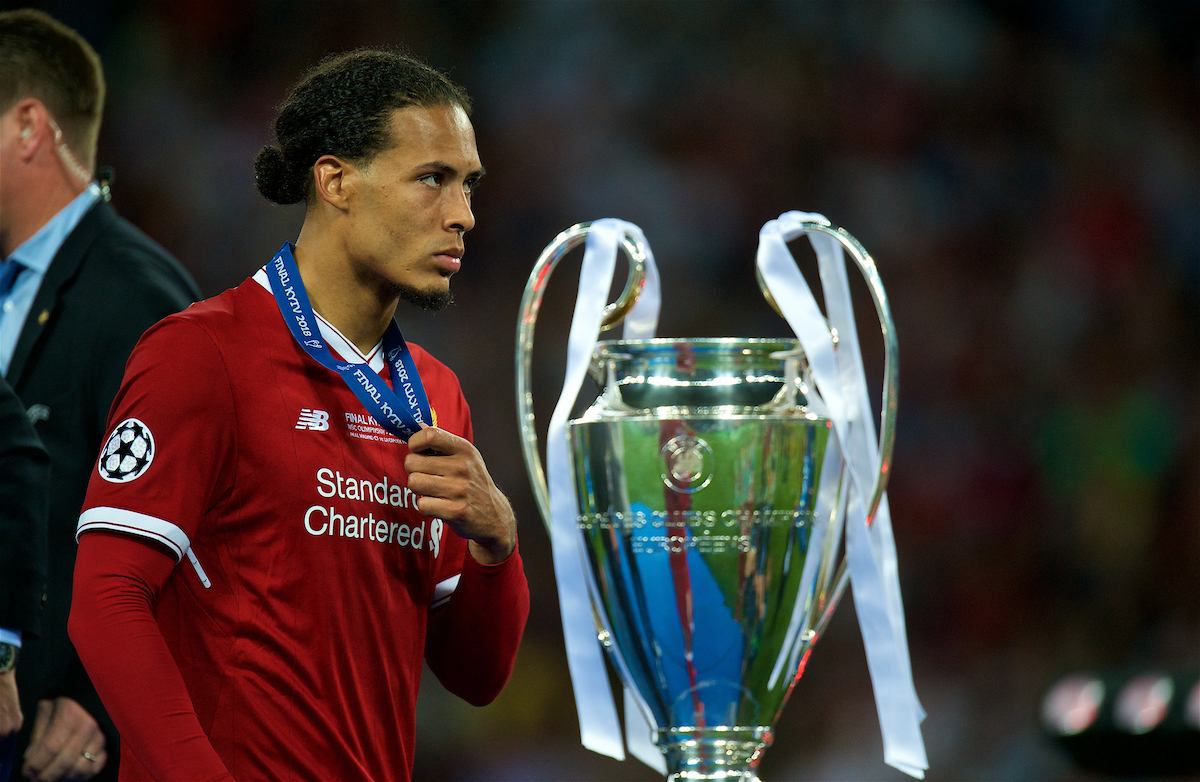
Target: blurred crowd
1027, 177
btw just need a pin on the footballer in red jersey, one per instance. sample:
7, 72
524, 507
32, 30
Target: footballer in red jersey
264, 562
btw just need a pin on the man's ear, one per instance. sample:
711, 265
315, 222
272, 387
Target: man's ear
335, 181
32, 119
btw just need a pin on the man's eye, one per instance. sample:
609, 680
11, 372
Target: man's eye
471, 185
433, 180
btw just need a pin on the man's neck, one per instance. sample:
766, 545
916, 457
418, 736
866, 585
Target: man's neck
28, 215
359, 308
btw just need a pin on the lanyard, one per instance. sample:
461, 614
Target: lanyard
399, 413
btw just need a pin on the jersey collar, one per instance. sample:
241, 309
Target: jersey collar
342, 347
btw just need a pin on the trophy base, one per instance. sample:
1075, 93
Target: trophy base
728, 775
719, 754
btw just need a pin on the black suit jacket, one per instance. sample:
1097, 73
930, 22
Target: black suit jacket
24, 477
108, 284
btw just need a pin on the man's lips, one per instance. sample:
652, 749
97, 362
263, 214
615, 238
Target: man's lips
450, 259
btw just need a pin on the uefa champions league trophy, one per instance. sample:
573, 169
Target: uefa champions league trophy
697, 508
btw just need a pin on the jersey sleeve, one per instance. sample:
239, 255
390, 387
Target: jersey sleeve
471, 644
170, 455
478, 612
112, 624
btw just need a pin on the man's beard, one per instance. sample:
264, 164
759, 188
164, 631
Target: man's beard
432, 301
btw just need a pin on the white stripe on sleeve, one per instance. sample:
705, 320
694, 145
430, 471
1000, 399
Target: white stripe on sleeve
443, 591
133, 523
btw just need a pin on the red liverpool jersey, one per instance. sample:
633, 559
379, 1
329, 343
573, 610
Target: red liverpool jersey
298, 612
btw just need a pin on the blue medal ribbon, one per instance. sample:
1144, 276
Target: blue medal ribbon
400, 413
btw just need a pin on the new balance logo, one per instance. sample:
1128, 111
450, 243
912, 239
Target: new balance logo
316, 420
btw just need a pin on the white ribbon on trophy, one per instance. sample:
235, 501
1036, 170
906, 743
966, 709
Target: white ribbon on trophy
598, 726
871, 551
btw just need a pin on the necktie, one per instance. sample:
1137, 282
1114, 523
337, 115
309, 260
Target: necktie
8, 275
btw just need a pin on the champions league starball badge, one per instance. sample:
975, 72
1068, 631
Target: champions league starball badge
128, 453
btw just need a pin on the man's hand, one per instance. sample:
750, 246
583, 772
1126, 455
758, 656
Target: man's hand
66, 743
11, 718
456, 488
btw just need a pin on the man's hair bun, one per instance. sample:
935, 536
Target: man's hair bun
343, 106
276, 180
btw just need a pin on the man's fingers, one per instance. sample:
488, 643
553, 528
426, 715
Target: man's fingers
45, 710
439, 453
69, 732
43, 752
87, 767
439, 508
423, 483
416, 463
68, 756
422, 440
440, 441
89, 762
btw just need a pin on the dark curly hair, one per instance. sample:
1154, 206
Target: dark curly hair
342, 107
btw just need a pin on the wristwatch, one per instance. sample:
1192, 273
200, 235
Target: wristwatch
8, 657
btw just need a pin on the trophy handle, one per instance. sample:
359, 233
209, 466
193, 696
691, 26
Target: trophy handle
887, 427
531, 302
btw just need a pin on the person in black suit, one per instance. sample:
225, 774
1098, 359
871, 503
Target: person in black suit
24, 476
78, 286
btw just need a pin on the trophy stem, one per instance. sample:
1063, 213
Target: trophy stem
713, 754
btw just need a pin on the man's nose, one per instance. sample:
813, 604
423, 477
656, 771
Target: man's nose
459, 216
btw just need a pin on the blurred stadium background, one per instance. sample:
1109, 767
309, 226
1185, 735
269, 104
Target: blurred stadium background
1027, 176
